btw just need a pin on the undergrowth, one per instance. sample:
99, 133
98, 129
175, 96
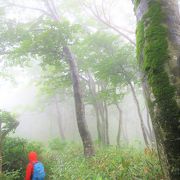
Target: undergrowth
109, 163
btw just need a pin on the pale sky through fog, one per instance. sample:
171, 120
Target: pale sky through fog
15, 96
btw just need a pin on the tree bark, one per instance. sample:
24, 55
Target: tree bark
101, 109
140, 115
150, 130
99, 126
59, 120
0, 147
1, 161
144, 129
158, 53
92, 89
80, 111
106, 123
120, 125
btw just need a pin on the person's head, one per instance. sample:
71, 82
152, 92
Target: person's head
32, 156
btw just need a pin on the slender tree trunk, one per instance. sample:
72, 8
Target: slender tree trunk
106, 123
158, 53
144, 130
103, 120
125, 135
92, 89
139, 114
103, 109
120, 124
150, 130
59, 120
98, 124
80, 111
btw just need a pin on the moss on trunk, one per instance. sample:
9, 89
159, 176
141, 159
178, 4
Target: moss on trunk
153, 56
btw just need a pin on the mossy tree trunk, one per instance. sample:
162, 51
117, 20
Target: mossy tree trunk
0, 148
158, 54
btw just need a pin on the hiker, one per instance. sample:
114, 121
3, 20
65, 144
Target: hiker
35, 169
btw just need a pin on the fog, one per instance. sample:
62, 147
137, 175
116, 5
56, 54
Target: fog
38, 119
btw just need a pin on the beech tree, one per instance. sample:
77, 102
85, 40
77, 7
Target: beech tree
58, 52
158, 54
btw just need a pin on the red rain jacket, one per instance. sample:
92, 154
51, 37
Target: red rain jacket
29, 170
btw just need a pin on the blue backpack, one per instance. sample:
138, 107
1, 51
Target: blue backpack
38, 171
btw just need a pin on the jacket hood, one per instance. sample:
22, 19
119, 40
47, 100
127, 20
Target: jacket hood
32, 156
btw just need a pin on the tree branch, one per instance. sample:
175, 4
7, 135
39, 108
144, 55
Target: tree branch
29, 7
107, 22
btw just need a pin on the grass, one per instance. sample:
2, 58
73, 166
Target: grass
109, 163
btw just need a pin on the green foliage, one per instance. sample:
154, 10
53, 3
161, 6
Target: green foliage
111, 63
57, 145
46, 41
8, 123
15, 155
64, 160
43, 45
109, 163
153, 44
14, 175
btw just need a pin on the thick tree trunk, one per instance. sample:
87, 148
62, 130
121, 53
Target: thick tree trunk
0, 148
1, 161
158, 53
59, 120
80, 111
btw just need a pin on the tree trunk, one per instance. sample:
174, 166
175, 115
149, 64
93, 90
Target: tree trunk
80, 111
92, 89
120, 124
98, 124
0, 147
103, 120
101, 110
1, 161
140, 115
150, 130
59, 120
106, 123
158, 53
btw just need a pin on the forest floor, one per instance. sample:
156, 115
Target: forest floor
65, 161
109, 163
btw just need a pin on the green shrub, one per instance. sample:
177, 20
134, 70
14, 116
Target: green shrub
15, 154
14, 175
57, 145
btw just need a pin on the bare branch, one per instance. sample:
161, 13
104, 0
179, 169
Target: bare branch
29, 7
104, 20
49, 8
